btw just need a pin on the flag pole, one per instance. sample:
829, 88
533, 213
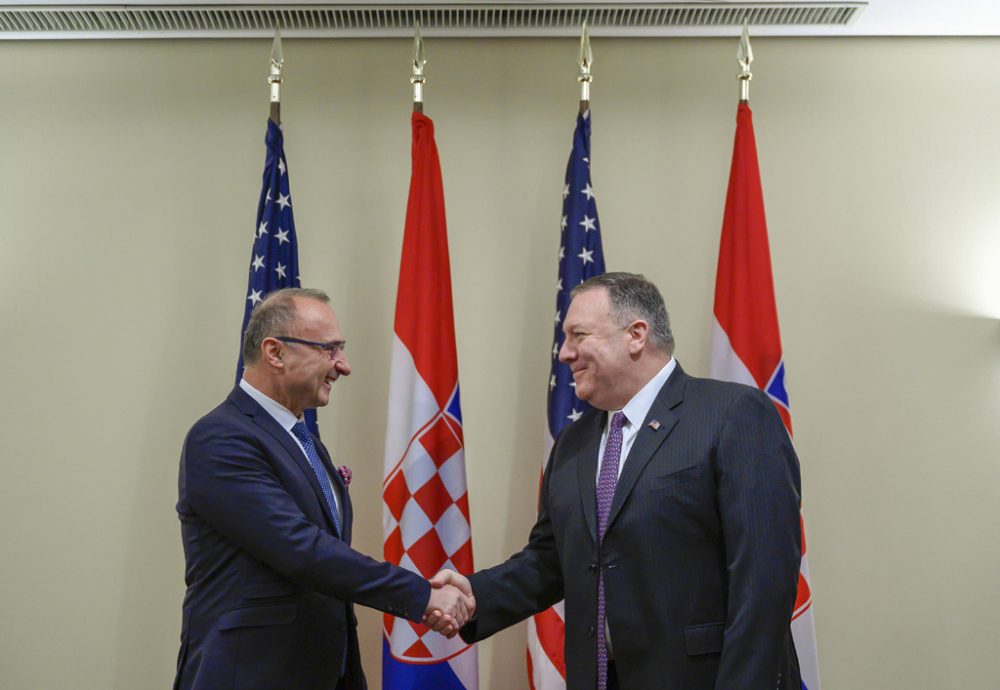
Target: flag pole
585, 60
274, 78
417, 76
744, 56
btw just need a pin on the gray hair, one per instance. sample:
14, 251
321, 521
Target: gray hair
274, 316
633, 297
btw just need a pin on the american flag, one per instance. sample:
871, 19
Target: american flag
425, 516
580, 257
274, 259
746, 341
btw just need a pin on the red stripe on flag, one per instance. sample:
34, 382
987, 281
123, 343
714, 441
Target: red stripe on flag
551, 634
424, 318
744, 289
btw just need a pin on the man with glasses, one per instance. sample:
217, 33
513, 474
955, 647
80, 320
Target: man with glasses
266, 524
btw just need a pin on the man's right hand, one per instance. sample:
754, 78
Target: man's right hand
451, 603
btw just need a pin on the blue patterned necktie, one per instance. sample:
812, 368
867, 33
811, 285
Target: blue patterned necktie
606, 481
301, 432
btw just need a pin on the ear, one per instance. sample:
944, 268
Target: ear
271, 351
637, 332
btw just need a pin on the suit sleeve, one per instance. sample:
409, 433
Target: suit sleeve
230, 484
759, 503
530, 581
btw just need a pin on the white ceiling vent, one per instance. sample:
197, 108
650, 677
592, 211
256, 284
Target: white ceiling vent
33, 20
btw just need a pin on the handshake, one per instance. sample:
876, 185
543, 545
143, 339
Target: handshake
451, 605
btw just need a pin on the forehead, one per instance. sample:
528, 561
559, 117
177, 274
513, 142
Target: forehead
590, 307
316, 319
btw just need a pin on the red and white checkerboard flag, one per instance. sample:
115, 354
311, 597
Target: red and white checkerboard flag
746, 342
425, 499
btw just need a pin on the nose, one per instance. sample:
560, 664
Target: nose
566, 353
341, 365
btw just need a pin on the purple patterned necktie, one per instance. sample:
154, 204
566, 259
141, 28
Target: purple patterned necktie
606, 481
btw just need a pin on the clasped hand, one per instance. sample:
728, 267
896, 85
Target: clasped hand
451, 605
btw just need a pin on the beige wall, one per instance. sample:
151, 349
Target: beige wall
129, 176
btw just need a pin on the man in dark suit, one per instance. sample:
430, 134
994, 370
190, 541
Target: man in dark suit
266, 524
668, 520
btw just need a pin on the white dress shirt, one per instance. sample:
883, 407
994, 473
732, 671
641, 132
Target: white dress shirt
286, 420
635, 413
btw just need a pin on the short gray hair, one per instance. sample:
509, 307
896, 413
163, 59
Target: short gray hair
633, 297
275, 316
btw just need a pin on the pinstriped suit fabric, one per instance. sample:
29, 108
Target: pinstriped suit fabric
700, 556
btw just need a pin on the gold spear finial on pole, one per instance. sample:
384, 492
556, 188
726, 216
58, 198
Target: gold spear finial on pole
274, 79
585, 60
745, 56
417, 77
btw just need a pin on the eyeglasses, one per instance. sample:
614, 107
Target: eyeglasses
332, 348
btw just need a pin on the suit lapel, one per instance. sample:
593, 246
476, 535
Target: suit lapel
268, 424
650, 437
586, 466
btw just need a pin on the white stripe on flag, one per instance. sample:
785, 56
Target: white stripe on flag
411, 404
725, 364
466, 667
804, 634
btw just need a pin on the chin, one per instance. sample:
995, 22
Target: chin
597, 402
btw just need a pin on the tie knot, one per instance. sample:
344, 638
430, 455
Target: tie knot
618, 420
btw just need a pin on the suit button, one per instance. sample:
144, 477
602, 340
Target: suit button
592, 567
590, 631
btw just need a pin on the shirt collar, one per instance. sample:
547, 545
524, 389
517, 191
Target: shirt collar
282, 415
637, 408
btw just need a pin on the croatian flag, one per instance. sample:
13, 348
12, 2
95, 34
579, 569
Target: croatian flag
274, 258
746, 343
580, 257
425, 516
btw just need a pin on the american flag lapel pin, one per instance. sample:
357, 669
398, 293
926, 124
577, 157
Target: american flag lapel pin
654, 425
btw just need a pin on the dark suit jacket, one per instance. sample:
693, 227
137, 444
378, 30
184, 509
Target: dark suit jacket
269, 582
701, 554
